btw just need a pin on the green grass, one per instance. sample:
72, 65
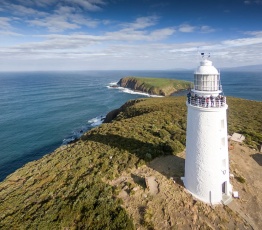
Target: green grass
244, 116
240, 179
161, 82
157, 86
69, 189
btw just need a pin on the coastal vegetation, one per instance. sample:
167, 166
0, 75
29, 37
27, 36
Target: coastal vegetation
244, 117
155, 86
71, 188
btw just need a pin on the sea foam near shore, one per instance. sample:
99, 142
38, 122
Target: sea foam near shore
77, 133
113, 85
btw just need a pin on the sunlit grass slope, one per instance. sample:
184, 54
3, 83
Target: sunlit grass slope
69, 188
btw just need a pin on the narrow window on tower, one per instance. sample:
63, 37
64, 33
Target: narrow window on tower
222, 124
224, 164
223, 141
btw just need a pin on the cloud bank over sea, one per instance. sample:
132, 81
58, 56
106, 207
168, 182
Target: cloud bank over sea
112, 35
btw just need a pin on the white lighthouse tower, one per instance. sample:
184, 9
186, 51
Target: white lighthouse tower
207, 165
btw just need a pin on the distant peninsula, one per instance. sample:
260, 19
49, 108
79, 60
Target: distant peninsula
154, 86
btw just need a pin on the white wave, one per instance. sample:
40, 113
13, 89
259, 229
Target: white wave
96, 121
68, 140
76, 134
113, 85
130, 91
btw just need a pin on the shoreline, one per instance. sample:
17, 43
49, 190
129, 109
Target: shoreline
130, 143
114, 85
8, 167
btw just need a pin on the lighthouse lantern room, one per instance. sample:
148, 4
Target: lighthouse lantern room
207, 165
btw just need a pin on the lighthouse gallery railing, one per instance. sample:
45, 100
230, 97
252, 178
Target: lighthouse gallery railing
207, 102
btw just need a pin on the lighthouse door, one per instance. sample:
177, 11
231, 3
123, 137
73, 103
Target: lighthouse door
224, 187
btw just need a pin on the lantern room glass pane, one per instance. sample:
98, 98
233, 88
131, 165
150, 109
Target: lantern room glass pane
204, 82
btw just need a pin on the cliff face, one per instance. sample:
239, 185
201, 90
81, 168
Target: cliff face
124, 108
154, 86
83, 185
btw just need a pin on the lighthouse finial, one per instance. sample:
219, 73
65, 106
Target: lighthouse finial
203, 55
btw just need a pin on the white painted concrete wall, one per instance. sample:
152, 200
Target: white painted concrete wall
206, 165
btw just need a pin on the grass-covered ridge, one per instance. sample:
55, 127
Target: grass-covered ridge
156, 86
244, 116
70, 189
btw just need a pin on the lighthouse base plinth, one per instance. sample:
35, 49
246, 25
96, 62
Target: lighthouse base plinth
225, 199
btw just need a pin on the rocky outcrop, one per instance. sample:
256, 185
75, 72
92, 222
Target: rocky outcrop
111, 115
114, 113
154, 86
129, 82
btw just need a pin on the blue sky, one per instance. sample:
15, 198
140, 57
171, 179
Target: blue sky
128, 34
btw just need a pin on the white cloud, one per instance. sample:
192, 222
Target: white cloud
206, 29
54, 23
59, 18
9, 33
235, 52
138, 35
186, 28
141, 23
138, 44
6, 29
84, 44
223, 45
39, 3
22, 10
161, 34
254, 33
242, 42
91, 5
80, 20
64, 18
65, 10
137, 31
118, 50
5, 23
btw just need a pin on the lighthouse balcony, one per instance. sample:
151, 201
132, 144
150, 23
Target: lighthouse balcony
207, 102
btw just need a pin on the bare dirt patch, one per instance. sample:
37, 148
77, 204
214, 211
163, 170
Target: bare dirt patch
245, 165
172, 207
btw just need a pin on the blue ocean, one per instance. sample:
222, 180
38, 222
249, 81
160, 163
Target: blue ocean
40, 111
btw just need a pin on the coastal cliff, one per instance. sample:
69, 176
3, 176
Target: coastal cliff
101, 180
154, 86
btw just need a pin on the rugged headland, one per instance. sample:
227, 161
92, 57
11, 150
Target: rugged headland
154, 86
125, 174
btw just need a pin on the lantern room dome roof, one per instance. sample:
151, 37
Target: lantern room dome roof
206, 67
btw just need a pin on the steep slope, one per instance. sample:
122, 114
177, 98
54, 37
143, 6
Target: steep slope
73, 188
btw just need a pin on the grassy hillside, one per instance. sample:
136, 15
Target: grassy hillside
244, 116
156, 86
70, 188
